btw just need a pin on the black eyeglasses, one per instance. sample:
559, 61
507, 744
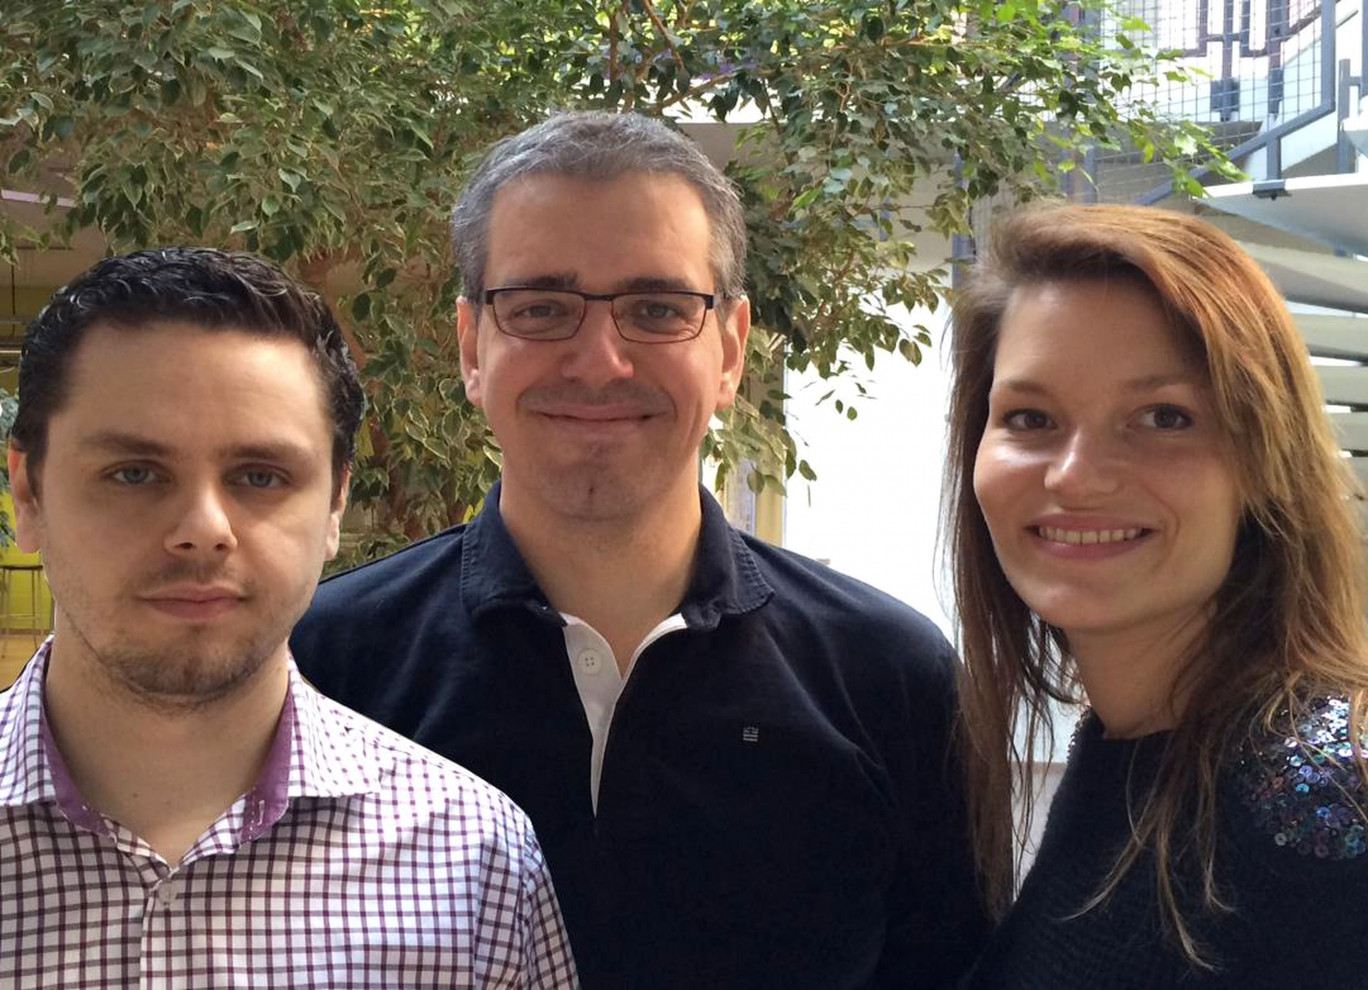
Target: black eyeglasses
557, 314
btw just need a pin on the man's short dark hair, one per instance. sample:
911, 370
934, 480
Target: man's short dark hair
214, 290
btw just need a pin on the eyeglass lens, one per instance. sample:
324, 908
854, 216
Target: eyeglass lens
546, 314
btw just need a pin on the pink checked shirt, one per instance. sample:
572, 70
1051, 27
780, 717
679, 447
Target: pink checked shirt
359, 859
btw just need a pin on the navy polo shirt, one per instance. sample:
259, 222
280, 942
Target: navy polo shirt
779, 804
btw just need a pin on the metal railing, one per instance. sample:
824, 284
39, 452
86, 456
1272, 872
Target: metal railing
1268, 74
1270, 69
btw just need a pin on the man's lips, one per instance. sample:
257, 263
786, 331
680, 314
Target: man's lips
198, 602
597, 424
597, 414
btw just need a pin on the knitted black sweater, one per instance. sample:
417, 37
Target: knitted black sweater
1292, 856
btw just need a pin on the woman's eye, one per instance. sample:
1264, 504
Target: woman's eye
1166, 418
1026, 419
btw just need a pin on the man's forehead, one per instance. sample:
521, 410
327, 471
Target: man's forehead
196, 346
105, 340
625, 198
639, 230
187, 386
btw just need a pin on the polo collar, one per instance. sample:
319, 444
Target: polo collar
493, 572
726, 579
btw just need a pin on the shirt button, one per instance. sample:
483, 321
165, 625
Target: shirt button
168, 892
590, 662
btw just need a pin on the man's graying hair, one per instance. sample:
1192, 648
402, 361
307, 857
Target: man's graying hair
599, 146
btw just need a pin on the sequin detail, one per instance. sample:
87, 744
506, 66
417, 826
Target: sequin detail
1297, 790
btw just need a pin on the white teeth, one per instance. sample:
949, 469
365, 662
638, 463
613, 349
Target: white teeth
1076, 537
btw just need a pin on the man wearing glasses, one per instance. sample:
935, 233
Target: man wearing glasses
738, 761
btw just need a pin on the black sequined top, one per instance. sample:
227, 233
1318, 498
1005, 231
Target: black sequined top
1290, 856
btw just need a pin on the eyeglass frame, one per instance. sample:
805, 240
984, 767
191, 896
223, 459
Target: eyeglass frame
710, 301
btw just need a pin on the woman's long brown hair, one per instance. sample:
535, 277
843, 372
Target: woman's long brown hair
1289, 618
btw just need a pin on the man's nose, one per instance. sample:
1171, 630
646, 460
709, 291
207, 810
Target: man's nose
203, 523
597, 354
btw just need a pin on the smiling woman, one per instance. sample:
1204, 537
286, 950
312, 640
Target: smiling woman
1147, 512
1108, 485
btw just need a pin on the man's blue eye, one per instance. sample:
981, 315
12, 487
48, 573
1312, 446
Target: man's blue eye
656, 310
261, 479
540, 311
133, 475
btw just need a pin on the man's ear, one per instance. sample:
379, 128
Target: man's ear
339, 507
735, 329
467, 331
27, 517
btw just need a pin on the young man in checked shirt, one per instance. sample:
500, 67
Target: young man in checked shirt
178, 808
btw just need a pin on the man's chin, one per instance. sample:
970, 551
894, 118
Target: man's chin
596, 496
188, 677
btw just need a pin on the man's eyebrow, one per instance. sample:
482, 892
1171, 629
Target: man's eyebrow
657, 283
128, 444
640, 283
278, 451
554, 280
133, 445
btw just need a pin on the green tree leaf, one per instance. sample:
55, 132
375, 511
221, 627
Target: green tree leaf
333, 135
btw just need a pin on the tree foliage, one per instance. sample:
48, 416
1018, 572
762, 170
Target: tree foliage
332, 136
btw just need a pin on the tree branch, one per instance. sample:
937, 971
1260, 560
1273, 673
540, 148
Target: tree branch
693, 92
685, 9
613, 67
649, 7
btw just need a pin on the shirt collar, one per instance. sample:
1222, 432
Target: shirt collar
316, 752
493, 572
726, 579
332, 755
24, 777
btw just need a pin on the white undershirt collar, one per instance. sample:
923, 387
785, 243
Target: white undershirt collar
595, 669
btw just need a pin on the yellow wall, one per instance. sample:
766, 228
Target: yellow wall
22, 306
25, 621
18, 609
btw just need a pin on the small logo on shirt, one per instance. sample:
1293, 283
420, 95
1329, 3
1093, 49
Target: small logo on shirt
750, 733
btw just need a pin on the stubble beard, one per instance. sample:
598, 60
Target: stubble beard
591, 492
603, 482
197, 669
181, 677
